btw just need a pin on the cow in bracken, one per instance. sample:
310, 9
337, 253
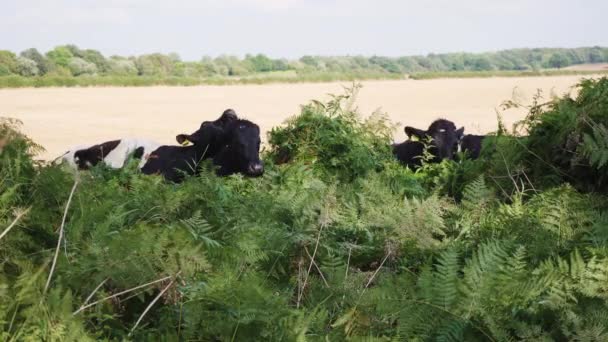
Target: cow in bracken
442, 138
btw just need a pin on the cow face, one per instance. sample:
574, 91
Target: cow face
210, 131
242, 150
443, 135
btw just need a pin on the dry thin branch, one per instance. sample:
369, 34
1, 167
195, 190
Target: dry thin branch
376, 272
312, 260
350, 249
65, 214
83, 307
529, 182
95, 291
509, 172
19, 216
317, 267
152, 304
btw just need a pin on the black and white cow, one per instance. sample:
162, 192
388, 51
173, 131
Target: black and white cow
442, 137
112, 153
471, 145
233, 145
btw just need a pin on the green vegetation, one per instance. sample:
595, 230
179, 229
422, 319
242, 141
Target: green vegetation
336, 241
71, 66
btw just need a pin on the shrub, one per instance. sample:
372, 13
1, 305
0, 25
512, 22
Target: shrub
79, 66
26, 67
565, 140
333, 137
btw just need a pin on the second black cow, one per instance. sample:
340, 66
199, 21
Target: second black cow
471, 145
442, 138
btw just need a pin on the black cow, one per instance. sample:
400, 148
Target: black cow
409, 153
471, 145
233, 144
442, 137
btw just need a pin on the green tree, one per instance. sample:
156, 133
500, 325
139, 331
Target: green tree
481, 63
8, 62
232, 66
558, 60
79, 66
60, 55
42, 63
260, 63
26, 67
95, 57
121, 66
155, 64
310, 61
595, 55
280, 64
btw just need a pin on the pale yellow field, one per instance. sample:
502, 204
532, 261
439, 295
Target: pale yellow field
58, 118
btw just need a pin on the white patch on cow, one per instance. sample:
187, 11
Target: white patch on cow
115, 158
118, 156
442, 130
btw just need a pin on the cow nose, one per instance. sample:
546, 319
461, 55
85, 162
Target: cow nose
256, 169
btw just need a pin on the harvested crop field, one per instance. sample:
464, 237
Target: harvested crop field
58, 118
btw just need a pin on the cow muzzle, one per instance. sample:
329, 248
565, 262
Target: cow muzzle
255, 169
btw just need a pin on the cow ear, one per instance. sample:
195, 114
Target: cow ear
183, 139
460, 133
229, 114
411, 131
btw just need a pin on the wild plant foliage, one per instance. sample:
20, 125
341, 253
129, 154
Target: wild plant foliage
335, 241
332, 134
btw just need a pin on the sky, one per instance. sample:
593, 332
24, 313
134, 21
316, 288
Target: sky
293, 28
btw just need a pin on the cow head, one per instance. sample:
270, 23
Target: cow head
211, 134
241, 152
443, 135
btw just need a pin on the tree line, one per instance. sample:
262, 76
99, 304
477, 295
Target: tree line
72, 61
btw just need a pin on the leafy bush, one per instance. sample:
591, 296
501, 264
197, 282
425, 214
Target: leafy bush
26, 67
333, 136
79, 66
566, 139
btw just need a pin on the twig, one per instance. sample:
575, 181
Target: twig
95, 291
529, 182
152, 304
65, 214
376, 272
179, 323
509, 171
83, 307
317, 267
299, 280
19, 216
501, 188
312, 260
350, 249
